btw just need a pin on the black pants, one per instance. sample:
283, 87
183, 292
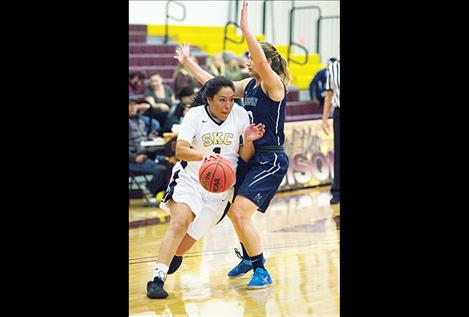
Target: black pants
335, 189
161, 116
158, 182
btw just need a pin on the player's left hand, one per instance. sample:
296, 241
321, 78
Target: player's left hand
183, 53
254, 132
210, 156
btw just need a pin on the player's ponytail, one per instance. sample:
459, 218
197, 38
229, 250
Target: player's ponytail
199, 99
279, 65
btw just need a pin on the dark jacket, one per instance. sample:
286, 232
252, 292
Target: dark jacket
174, 118
181, 81
136, 135
317, 89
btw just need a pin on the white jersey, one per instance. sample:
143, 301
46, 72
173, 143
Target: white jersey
205, 135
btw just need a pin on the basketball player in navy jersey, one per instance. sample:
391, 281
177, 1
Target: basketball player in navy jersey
258, 180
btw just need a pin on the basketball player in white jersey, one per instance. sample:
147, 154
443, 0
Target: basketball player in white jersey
215, 128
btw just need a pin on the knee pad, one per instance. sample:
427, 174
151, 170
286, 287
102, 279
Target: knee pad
175, 264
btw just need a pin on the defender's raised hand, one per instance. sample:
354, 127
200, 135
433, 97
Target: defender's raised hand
243, 24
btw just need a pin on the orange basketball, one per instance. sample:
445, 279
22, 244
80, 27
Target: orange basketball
217, 175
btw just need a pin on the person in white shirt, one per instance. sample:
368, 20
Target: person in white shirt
215, 128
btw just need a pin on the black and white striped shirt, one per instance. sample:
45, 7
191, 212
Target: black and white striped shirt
333, 81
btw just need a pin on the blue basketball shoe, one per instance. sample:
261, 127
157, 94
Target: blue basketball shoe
260, 279
242, 268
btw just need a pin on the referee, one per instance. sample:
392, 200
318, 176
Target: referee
332, 100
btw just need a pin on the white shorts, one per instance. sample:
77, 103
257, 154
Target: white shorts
208, 208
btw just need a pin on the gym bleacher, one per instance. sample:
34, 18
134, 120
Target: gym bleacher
148, 54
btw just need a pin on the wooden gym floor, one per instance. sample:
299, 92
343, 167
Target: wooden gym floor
300, 234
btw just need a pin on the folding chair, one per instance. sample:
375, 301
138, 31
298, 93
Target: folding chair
141, 192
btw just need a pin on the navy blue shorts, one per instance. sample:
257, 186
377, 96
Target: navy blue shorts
260, 179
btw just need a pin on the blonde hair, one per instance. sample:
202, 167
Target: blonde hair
213, 69
279, 64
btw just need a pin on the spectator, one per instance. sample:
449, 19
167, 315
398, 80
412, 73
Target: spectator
139, 160
136, 83
186, 97
182, 78
244, 64
151, 126
233, 67
233, 71
161, 97
317, 87
216, 66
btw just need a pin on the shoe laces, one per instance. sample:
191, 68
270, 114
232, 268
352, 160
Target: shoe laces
238, 254
158, 281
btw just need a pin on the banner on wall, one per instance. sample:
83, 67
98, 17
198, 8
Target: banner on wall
311, 155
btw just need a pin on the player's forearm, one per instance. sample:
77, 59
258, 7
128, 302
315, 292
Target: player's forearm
246, 151
198, 72
185, 153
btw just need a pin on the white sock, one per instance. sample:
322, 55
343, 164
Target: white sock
161, 271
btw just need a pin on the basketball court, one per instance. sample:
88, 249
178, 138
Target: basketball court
301, 235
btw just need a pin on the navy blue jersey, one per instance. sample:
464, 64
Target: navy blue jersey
262, 109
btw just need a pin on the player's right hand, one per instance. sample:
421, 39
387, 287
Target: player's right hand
325, 127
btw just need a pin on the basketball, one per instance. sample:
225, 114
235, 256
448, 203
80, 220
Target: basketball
217, 175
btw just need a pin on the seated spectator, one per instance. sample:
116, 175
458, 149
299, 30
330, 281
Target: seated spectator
186, 97
136, 83
233, 71
139, 160
161, 97
244, 64
317, 89
151, 126
233, 67
216, 67
182, 78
